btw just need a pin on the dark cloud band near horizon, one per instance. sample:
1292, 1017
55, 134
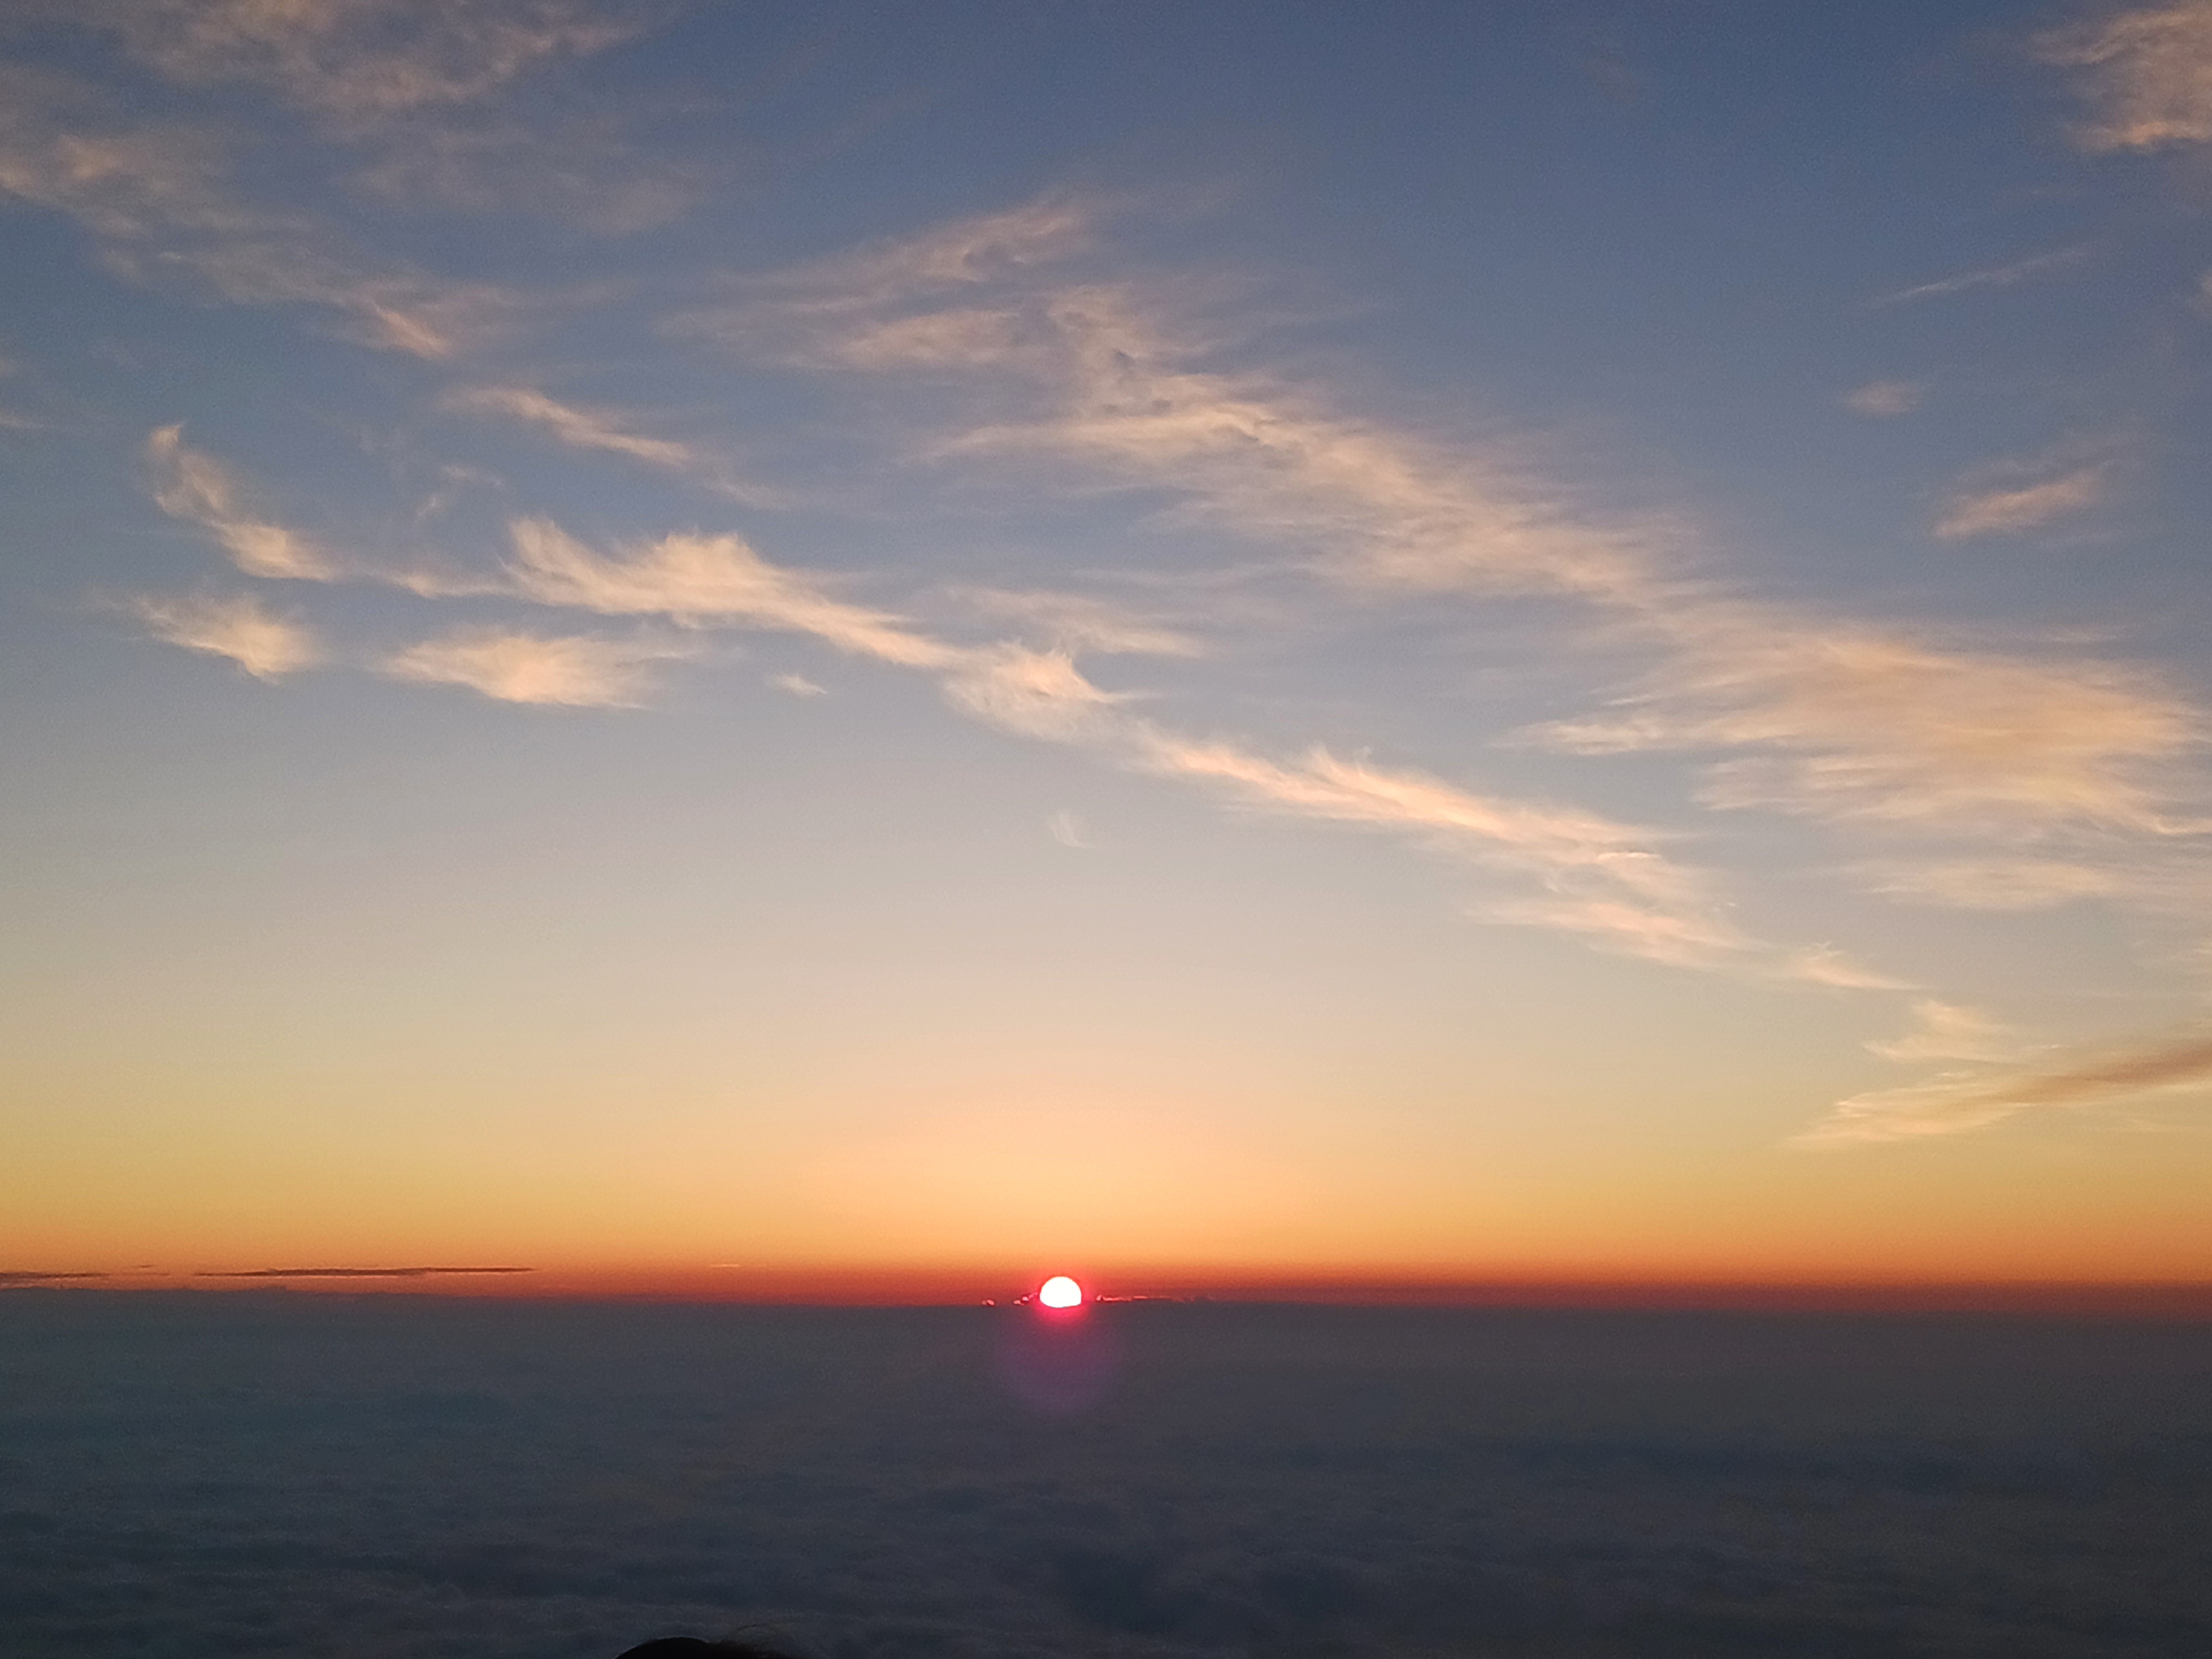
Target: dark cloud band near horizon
354, 1273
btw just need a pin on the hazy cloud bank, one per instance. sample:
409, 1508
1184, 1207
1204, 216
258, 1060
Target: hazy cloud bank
435, 1480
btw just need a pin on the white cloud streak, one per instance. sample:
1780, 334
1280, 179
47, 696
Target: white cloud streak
962, 255
872, 309
238, 627
566, 671
609, 432
2004, 276
699, 579
200, 489
1605, 880
2008, 509
1824, 964
1032, 694
579, 429
1948, 1031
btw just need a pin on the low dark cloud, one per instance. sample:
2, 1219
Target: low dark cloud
191, 1476
19, 1277
354, 1273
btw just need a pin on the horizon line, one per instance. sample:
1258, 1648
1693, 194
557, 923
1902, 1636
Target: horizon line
926, 1288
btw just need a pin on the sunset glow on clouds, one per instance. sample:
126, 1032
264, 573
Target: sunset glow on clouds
677, 527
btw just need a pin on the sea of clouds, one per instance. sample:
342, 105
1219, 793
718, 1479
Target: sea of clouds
211, 1476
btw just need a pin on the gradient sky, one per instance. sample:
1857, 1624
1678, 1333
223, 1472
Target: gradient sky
1406, 640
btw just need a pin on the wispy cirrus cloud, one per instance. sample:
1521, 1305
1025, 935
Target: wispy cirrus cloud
1325, 786
977, 338
1678, 940
1957, 1103
1879, 399
1352, 501
612, 432
2146, 72
884, 306
1859, 727
1995, 883
2008, 274
194, 486
65, 145
1083, 623
579, 429
1852, 724
1607, 881
358, 61
1884, 730
159, 199
699, 579
1867, 727
2002, 505
1949, 1030
1825, 964
414, 91
1032, 694
962, 254
237, 626
1101, 375
352, 1273
385, 310
565, 671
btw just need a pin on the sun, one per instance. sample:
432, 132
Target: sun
1061, 1292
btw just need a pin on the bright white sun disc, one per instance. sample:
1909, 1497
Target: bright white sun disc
1061, 1292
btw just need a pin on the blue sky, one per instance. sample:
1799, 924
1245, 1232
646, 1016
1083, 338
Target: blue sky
1454, 635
